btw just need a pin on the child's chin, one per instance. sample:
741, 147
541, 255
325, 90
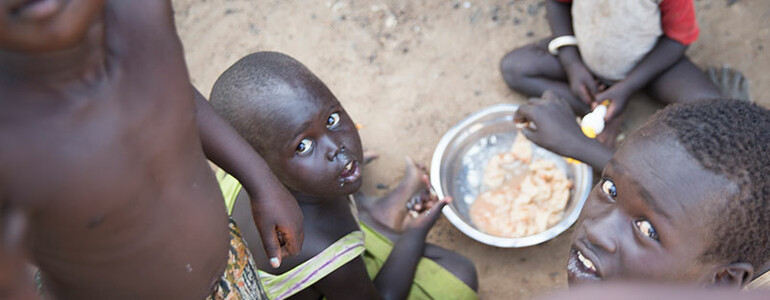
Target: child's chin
350, 187
573, 281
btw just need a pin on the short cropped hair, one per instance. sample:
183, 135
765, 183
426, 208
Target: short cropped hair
249, 93
730, 138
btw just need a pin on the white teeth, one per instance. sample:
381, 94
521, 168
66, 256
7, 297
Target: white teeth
349, 166
586, 262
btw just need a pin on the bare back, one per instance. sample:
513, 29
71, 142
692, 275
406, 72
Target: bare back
111, 173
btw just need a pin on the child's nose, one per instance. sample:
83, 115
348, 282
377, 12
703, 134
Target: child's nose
603, 230
333, 148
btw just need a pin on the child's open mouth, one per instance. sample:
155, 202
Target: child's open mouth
581, 267
351, 172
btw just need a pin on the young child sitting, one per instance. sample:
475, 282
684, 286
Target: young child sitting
292, 119
606, 49
105, 185
686, 199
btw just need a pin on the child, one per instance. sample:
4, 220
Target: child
606, 49
105, 185
686, 199
292, 119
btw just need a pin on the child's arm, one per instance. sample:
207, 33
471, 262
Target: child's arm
395, 278
557, 131
276, 213
665, 54
15, 281
581, 81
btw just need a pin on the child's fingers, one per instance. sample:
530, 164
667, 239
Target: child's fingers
523, 114
585, 94
426, 180
433, 213
529, 133
369, 156
272, 246
612, 111
409, 161
290, 243
602, 87
428, 205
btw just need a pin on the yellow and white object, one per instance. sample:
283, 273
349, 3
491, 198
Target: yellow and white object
593, 123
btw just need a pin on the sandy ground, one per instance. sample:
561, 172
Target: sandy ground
408, 70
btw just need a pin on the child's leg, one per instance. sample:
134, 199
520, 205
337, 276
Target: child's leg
531, 70
460, 266
683, 82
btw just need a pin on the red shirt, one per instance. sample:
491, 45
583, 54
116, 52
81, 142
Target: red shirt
677, 19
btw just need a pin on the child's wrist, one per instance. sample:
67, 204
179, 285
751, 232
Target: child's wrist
416, 233
569, 57
579, 148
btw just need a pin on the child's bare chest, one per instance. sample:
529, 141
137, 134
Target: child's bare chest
114, 177
96, 145
325, 225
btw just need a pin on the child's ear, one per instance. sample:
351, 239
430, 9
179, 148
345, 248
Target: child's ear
732, 275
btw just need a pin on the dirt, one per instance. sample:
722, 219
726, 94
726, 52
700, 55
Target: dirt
408, 70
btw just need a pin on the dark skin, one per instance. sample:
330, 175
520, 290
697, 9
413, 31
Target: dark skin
630, 291
648, 217
555, 129
308, 152
556, 132
665, 73
107, 188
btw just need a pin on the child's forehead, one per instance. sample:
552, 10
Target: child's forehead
664, 174
293, 114
302, 105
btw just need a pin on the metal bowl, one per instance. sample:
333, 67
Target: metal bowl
458, 164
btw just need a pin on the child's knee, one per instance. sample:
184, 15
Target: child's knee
511, 68
517, 65
468, 272
457, 264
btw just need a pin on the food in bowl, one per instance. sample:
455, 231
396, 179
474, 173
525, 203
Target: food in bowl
523, 196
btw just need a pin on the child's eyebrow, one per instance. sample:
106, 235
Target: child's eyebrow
302, 128
645, 194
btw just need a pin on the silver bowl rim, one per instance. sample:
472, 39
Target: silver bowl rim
480, 236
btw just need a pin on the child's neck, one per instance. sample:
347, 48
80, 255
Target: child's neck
313, 200
82, 63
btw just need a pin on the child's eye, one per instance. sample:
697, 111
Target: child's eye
646, 228
333, 120
608, 187
304, 147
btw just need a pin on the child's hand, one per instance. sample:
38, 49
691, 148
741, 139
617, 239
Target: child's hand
279, 221
582, 82
555, 126
618, 97
430, 213
418, 203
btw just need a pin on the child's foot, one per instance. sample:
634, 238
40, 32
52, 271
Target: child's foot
391, 210
731, 83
